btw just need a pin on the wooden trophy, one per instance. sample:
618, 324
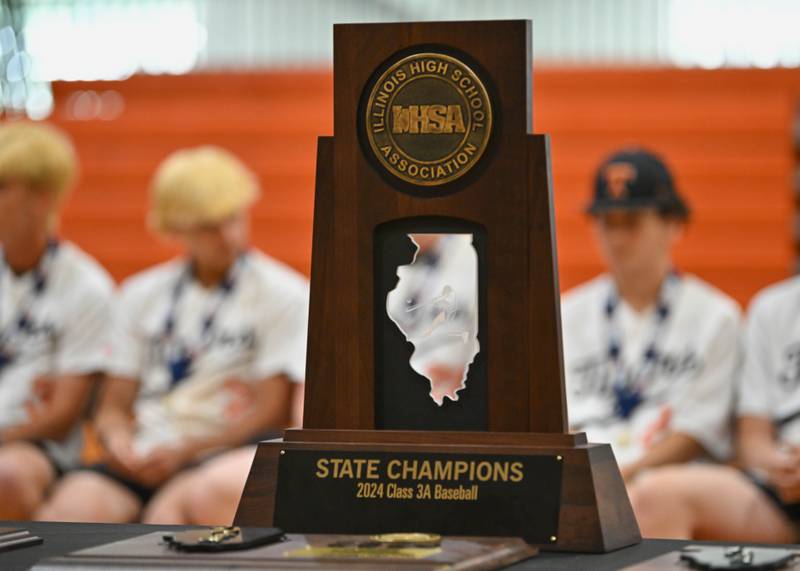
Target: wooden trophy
433, 239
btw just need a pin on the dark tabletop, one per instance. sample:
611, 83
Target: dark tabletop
62, 538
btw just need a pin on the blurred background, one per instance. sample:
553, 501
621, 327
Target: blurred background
712, 85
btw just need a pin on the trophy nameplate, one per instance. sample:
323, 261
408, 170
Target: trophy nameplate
434, 385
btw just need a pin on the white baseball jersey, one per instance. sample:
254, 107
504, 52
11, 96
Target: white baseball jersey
65, 331
688, 385
770, 385
259, 331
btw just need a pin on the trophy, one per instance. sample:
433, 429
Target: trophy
434, 384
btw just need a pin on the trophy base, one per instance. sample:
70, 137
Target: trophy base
581, 482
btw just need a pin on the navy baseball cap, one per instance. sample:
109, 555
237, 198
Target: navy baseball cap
636, 179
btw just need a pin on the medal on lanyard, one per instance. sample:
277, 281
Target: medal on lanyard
628, 390
181, 358
22, 323
180, 365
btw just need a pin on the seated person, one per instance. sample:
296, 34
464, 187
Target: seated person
650, 353
209, 494
55, 304
761, 501
203, 352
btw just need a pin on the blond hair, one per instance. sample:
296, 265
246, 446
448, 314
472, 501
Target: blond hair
37, 155
199, 186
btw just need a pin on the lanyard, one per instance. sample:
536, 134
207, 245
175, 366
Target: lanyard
628, 389
22, 322
181, 356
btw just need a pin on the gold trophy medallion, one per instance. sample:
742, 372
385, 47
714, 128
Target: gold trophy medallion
428, 119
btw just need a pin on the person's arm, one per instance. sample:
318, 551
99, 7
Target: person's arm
54, 412
298, 400
761, 453
59, 398
701, 406
114, 422
757, 447
756, 438
269, 401
675, 448
698, 420
269, 409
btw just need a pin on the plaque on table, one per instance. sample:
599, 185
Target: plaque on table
708, 557
342, 552
434, 383
17, 538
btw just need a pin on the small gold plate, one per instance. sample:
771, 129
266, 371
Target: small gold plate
415, 539
355, 552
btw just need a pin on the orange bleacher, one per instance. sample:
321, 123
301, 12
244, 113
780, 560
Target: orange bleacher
728, 135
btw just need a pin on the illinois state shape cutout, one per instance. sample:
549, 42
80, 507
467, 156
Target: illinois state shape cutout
435, 306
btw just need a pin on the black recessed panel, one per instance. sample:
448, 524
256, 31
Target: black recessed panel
402, 396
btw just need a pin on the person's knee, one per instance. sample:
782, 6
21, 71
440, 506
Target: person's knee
170, 504
213, 498
164, 511
23, 480
206, 495
688, 484
70, 501
87, 496
652, 486
14, 504
221, 486
669, 501
658, 493
10, 479
213, 507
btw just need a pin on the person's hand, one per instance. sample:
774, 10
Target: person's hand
658, 428
783, 472
788, 489
120, 455
780, 462
37, 407
161, 464
41, 398
241, 396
